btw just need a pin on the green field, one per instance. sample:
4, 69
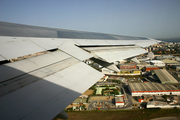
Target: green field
143, 114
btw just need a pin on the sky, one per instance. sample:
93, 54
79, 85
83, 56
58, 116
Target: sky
146, 18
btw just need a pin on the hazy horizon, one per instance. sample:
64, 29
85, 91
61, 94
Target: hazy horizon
150, 18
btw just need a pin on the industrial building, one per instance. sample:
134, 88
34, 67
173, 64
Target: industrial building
127, 66
157, 63
123, 72
119, 101
164, 57
130, 72
149, 68
171, 62
158, 104
165, 77
151, 88
142, 65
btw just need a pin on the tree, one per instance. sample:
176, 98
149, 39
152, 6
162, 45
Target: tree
102, 91
115, 92
94, 93
84, 106
107, 88
93, 87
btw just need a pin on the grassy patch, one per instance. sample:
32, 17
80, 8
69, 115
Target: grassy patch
143, 114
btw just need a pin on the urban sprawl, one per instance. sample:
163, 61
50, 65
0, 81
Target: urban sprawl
151, 83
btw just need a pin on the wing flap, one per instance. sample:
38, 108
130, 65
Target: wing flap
46, 91
13, 47
19, 48
28, 65
112, 54
74, 51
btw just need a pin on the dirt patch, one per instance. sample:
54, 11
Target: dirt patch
77, 105
101, 98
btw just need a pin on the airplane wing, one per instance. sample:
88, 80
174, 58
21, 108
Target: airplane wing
47, 71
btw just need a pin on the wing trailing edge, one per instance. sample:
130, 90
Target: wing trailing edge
39, 93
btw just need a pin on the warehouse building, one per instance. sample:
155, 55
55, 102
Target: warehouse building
142, 65
164, 57
165, 77
157, 63
171, 62
119, 101
159, 104
127, 66
123, 72
129, 72
151, 88
152, 67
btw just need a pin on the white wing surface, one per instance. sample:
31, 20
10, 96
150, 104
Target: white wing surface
50, 71
41, 87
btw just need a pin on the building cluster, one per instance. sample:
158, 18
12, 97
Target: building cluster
154, 81
164, 48
160, 79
